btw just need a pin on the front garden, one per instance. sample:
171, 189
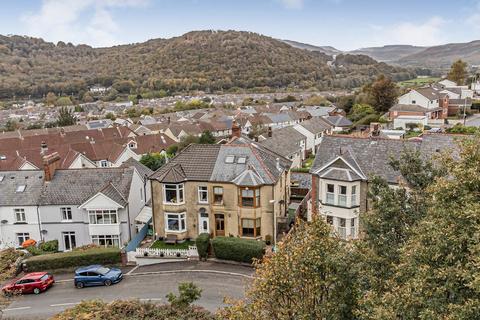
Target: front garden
159, 244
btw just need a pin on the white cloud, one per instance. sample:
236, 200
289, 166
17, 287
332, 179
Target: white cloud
78, 21
292, 4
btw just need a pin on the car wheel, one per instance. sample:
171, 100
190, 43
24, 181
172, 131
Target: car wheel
108, 283
79, 285
36, 290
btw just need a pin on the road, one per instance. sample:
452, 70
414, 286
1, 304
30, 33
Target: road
144, 284
473, 121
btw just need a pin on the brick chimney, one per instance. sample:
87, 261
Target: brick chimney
51, 163
236, 130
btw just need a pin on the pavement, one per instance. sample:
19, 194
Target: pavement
147, 283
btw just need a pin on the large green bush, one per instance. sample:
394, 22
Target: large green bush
202, 242
237, 249
73, 259
49, 246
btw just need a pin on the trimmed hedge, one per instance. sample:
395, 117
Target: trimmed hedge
73, 259
202, 242
237, 249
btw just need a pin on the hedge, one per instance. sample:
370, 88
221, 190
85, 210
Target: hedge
202, 242
73, 259
237, 249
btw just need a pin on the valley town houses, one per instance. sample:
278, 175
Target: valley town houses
231, 189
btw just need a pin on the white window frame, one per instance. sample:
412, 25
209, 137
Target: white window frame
342, 197
115, 238
24, 235
66, 210
182, 221
354, 196
200, 192
21, 211
331, 194
69, 234
180, 189
104, 212
104, 163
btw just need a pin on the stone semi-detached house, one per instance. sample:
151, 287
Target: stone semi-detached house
235, 189
343, 167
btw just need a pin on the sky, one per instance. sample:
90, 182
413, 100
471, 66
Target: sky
344, 24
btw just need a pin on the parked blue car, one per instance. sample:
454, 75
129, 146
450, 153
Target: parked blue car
97, 275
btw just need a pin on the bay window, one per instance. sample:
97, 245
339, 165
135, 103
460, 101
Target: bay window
342, 196
106, 240
173, 193
250, 197
342, 230
203, 194
103, 216
175, 222
353, 230
330, 199
251, 227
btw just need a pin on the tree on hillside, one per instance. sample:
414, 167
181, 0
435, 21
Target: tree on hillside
382, 94
65, 117
309, 277
64, 101
206, 138
438, 275
50, 99
458, 72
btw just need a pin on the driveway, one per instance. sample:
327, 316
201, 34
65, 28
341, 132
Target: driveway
145, 283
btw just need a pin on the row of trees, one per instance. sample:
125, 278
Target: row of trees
418, 257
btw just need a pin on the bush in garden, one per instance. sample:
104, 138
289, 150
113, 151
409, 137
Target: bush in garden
237, 249
202, 242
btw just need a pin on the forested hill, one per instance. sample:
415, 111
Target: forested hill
205, 60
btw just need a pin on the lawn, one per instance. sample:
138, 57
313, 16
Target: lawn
162, 245
418, 82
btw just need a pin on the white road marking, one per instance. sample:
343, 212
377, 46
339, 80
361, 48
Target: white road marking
64, 304
15, 309
130, 272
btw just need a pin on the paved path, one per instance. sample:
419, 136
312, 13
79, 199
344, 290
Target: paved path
145, 283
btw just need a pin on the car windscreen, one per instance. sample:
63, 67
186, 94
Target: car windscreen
43, 278
103, 271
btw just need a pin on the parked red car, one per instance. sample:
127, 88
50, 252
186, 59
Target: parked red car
34, 282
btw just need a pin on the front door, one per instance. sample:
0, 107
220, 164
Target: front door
219, 225
203, 224
69, 240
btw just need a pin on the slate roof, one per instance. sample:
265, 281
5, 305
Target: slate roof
143, 170
338, 121
76, 186
278, 117
284, 141
33, 180
318, 111
196, 161
316, 125
251, 164
303, 179
371, 157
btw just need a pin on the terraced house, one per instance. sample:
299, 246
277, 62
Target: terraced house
235, 189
